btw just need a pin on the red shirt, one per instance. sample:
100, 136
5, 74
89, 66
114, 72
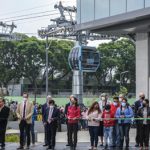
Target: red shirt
73, 112
113, 108
108, 115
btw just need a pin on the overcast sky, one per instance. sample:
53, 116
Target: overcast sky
11, 9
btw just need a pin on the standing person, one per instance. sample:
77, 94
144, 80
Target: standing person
123, 114
66, 111
73, 115
33, 120
144, 130
94, 116
116, 135
109, 123
102, 103
44, 107
137, 105
4, 114
24, 113
50, 119
121, 97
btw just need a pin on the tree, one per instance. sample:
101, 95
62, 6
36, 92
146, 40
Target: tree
9, 66
116, 57
30, 60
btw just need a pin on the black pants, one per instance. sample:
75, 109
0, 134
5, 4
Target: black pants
51, 136
24, 127
93, 130
45, 134
124, 132
2, 136
144, 135
72, 132
67, 133
137, 139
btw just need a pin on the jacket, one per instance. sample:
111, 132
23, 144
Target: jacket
128, 113
140, 115
29, 112
55, 116
4, 114
73, 112
107, 121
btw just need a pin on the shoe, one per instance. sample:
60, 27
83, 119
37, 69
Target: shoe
101, 145
20, 147
49, 147
90, 148
67, 145
33, 145
45, 145
3, 147
95, 148
136, 145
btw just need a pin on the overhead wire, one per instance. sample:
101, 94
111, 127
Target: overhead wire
27, 15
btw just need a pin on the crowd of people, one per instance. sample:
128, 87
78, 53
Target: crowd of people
108, 120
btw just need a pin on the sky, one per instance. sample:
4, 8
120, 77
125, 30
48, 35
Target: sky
12, 10
18, 10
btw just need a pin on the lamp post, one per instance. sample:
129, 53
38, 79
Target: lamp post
47, 47
121, 76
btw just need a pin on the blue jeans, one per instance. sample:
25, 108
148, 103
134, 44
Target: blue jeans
108, 135
93, 130
124, 132
116, 135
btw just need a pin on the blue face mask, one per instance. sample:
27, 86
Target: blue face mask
123, 104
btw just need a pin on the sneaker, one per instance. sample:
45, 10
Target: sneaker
45, 145
101, 145
28, 147
95, 148
90, 148
67, 145
3, 147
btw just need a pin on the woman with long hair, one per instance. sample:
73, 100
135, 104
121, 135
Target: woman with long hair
94, 117
124, 114
73, 116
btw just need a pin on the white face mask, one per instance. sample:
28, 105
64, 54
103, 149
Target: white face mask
103, 98
51, 106
24, 99
115, 103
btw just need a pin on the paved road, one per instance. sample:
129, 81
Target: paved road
60, 146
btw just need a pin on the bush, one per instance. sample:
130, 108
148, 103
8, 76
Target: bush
12, 138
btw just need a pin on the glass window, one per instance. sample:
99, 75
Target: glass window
147, 3
87, 10
117, 7
135, 4
101, 9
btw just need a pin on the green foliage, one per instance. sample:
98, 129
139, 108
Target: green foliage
123, 90
12, 138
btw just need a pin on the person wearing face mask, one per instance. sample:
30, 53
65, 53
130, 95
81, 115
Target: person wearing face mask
44, 107
50, 119
121, 97
93, 117
116, 135
102, 103
24, 113
73, 116
124, 114
144, 130
138, 104
109, 123
66, 111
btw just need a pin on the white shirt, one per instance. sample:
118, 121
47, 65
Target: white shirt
50, 114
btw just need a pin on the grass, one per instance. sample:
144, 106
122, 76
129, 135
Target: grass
61, 101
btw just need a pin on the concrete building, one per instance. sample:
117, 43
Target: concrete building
121, 17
